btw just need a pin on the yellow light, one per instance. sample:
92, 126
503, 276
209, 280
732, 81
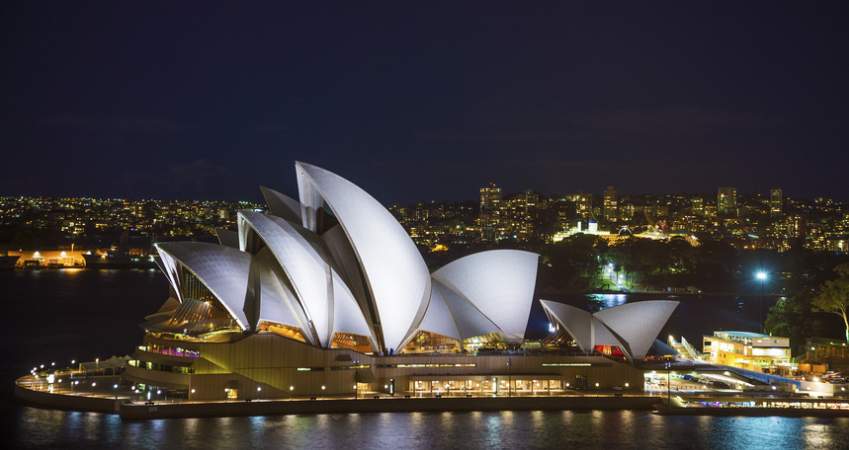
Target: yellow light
439, 248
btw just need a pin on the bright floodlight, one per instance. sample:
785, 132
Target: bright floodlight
761, 275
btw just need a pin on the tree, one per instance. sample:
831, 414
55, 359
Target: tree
833, 296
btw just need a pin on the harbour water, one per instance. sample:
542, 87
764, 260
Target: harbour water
59, 315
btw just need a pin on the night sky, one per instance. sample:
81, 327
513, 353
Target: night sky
189, 100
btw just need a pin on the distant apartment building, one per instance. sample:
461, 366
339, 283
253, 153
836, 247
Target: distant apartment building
726, 200
583, 204
610, 205
776, 201
517, 216
490, 196
697, 206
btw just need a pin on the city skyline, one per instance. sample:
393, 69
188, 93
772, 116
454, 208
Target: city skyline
748, 222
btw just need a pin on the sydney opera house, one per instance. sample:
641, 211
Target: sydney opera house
328, 295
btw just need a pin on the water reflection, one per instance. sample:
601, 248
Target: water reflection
599, 302
506, 429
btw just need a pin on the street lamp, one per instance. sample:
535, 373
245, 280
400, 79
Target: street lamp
762, 276
669, 385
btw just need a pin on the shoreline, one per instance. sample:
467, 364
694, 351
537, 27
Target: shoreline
139, 411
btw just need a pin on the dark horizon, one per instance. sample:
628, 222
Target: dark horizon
176, 101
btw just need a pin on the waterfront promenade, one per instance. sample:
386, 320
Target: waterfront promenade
133, 407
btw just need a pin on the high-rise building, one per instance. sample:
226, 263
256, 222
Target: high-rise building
776, 201
490, 203
609, 204
422, 212
583, 204
726, 200
517, 216
697, 206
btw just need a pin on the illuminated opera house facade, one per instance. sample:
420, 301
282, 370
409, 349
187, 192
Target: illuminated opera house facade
327, 295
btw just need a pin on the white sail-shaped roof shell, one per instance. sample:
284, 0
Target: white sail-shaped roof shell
638, 324
438, 318
347, 317
281, 205
500, 284
632, 327
223, 270
304, 267
604, 335
395, 273
278, 303
227, 238
169, 267
576, 321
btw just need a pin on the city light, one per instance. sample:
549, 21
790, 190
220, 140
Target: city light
761, 275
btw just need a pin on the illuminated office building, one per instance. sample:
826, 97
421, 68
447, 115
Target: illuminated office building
610, 204
726, 201
490, 196
746, 350
776, 201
